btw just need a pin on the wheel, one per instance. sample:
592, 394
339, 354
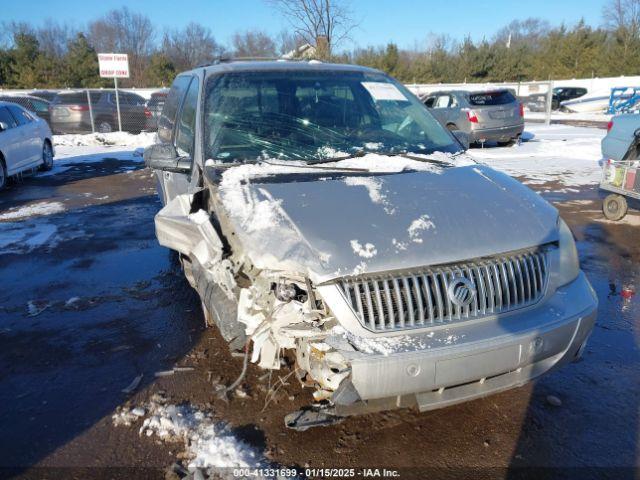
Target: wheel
104, 126
614, 207
47, 157
3, 174
452, 127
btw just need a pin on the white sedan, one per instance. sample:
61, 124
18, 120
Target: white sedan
25, 142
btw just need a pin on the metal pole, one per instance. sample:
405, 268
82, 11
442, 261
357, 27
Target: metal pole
93, 125
547, 119
115, 82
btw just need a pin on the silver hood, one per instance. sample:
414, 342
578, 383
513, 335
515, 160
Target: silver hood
352, 225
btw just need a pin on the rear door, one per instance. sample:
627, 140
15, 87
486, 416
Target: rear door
440, 108
10, 142
495, 109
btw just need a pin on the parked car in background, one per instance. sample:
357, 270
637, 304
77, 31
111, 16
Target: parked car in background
154, 105
70, 112
536, 102
562, 94
47, 95
494, 115
25, 142
320, 210
35, 105
623, 135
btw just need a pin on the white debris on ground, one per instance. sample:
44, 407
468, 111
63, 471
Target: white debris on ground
22, 237
552, 153
35, 209
121, 139
208, 444
419, 225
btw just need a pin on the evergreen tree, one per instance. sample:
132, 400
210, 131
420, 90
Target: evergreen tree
81, 62
161, 71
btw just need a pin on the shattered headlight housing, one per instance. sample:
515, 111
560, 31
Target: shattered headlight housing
569, 265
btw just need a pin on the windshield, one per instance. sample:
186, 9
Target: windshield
300, 115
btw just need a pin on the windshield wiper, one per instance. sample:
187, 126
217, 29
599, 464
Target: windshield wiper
390, 153
316, 166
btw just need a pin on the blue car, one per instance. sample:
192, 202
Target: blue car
621, 142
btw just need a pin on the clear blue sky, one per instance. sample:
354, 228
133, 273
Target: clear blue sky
402, 21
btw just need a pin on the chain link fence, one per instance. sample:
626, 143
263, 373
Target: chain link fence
93, 110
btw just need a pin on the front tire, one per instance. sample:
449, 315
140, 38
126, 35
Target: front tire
47, 157
614, 207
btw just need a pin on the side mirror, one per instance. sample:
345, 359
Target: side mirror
462, 137
3, 126
165, 157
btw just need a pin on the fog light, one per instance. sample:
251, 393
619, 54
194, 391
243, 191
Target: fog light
285, 292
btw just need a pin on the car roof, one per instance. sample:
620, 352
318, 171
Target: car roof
30, 97
279, 66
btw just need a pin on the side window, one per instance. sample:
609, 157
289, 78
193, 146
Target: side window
39, 106
22, 117
429, 102
174, 99
442, 101
6, 117
185, 134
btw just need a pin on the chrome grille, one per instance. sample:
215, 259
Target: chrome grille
419, 299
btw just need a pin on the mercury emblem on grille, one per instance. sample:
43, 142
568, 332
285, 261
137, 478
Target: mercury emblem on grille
461, 291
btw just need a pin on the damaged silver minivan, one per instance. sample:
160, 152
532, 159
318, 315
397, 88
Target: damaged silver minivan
322, 213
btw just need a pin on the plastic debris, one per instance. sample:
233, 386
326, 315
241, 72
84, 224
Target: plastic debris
133, 385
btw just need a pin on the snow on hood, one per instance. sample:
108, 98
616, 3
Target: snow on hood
386, 220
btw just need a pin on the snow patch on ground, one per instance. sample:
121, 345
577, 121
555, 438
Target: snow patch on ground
555, 153
122, 139
208, 444
24, 238
35, 209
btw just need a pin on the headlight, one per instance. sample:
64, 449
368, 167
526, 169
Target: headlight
569, 264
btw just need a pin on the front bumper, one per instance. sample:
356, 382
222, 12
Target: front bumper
474, 359
499, 134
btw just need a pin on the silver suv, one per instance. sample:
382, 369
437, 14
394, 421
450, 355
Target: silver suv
494, 115
321, 210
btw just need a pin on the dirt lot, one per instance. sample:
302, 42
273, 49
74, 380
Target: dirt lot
109, 304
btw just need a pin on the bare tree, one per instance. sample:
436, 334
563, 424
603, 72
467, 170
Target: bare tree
253, 43
322, 23
191, 46
124, 31
287, 42
623, 17
54, 37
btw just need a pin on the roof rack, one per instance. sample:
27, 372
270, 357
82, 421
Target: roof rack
219, 60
